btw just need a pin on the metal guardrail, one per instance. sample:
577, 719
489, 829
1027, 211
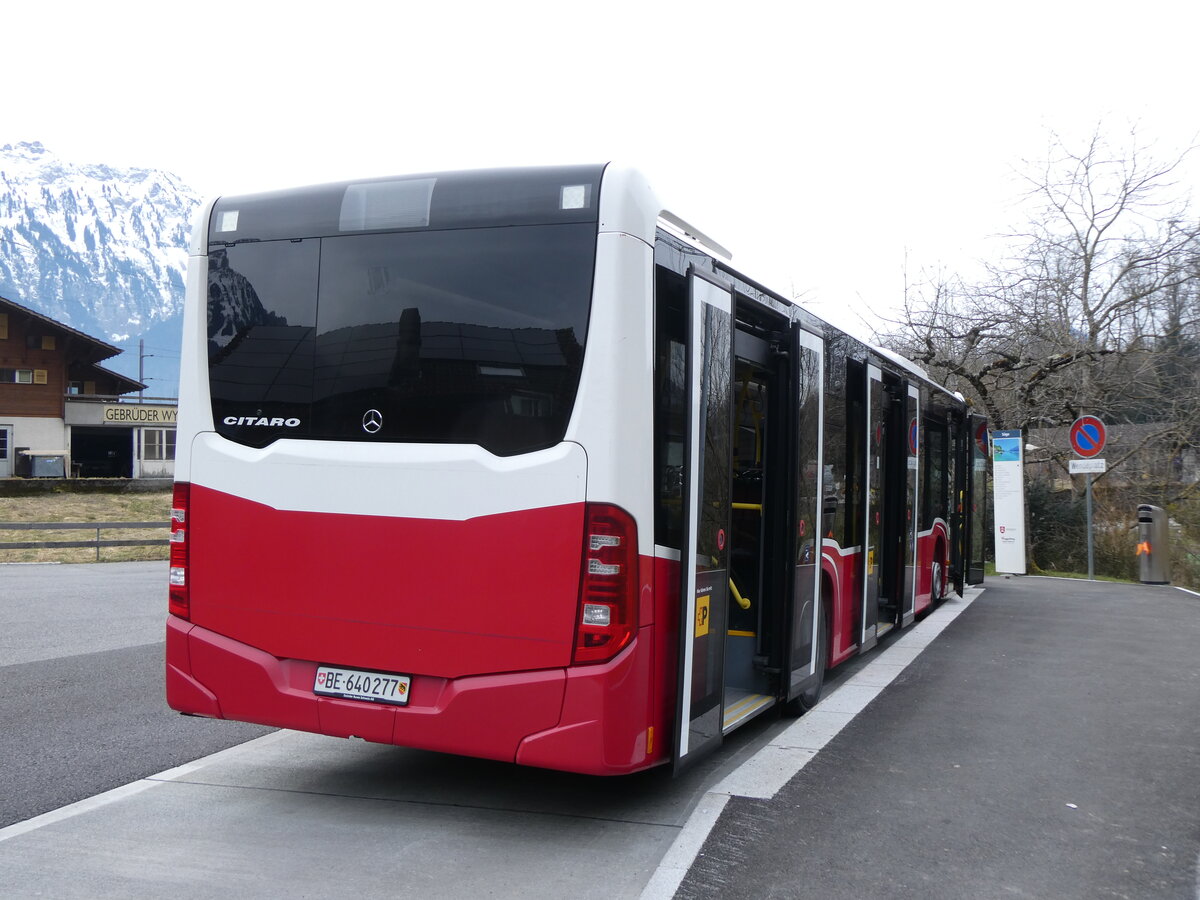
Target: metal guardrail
96, 542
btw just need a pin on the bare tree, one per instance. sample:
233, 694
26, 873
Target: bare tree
1094, 308
1077, 316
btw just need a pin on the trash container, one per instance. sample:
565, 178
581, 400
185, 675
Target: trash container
47, 465
22, 464
1154, 545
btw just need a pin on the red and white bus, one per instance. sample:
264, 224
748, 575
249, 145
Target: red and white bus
515, 464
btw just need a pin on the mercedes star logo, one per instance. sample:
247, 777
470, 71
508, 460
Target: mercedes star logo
372, 421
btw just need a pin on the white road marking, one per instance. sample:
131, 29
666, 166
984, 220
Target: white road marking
128, 790
667, 877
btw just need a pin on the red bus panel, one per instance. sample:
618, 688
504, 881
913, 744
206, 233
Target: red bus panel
416, 596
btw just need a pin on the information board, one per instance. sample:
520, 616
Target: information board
1008, 487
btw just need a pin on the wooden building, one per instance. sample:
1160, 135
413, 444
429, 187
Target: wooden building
64, 414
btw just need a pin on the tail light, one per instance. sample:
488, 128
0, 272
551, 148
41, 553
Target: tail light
608, 591
178, 596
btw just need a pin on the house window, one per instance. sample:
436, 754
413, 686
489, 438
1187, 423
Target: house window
158, 443
16, 376
3, 326
39, 341
74, 387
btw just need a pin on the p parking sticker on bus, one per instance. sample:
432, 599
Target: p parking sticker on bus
702, 603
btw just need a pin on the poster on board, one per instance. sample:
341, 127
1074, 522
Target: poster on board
1008, 493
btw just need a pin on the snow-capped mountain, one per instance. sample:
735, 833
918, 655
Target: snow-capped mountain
101, 249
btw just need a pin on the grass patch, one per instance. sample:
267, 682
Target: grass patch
106, 507
1050, 573
989, 571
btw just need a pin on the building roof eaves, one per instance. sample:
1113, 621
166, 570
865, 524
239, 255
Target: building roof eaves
109, 349
134, 384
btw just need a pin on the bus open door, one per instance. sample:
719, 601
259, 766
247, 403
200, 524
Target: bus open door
806, 649
704, 563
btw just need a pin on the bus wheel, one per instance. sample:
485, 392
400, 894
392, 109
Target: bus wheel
938, 583
802, 703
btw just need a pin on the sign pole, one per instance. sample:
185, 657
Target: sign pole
1088, 435
1091, 553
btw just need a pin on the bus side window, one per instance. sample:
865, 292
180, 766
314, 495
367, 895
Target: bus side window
854, 452
670, 397
834, 477
933, 498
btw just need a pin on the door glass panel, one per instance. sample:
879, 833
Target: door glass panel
808, 493
707, 490
912, 456
960, 477
873, 547
978, 497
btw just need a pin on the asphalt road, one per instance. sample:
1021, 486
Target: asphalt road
1046, 745
81, 696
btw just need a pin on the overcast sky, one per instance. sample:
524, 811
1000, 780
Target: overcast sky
822, 143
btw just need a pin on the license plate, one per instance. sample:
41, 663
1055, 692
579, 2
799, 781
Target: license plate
359, 684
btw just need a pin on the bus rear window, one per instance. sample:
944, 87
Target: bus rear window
458, 336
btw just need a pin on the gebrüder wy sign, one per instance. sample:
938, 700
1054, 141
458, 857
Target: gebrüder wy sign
129, 414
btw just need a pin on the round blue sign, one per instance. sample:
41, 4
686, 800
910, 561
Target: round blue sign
1088, 435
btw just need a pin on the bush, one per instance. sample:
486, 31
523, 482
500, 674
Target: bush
1058, 539
1185, 542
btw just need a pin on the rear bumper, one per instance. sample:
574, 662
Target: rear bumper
591, 719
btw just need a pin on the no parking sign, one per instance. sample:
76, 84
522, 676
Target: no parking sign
1088, 435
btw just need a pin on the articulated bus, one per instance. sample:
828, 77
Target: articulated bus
515, 464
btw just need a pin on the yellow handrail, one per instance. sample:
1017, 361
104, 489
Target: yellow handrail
743, 602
